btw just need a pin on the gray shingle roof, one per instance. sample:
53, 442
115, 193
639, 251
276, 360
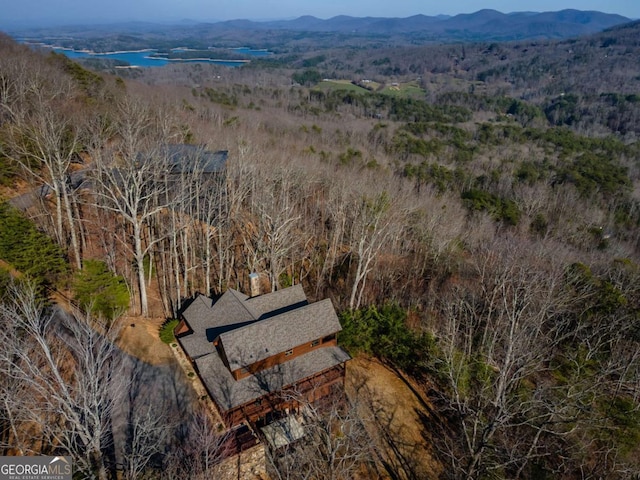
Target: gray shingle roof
276, 334
207, 320
252, 329
198, 310
279, 301
185, 158
196, 344
229, 393
232, 310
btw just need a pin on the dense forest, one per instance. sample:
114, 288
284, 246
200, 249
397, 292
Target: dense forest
472, 210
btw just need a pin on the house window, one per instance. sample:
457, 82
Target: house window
288, 353
244, 370
329, 338
315, 343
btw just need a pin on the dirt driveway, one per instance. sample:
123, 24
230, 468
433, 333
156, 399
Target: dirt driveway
139, 337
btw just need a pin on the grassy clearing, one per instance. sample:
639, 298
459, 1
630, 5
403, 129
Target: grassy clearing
340, 85
405, 90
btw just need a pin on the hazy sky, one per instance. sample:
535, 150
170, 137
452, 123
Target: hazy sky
20, 12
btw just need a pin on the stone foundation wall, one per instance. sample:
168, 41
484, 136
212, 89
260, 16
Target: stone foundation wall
248, 465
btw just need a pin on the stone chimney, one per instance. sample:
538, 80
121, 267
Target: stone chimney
254, 284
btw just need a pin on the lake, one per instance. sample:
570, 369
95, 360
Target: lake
144, 58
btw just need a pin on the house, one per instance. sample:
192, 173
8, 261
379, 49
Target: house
259, 356
191, 165
185, 158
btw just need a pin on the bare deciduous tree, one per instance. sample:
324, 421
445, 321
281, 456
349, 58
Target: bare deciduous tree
71, 373
202, 449
335, 444
276, 234
45, 143
500, 333
375, 220
129, 181
149, 431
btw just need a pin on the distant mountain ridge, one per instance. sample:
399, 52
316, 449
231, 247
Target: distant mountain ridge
308, 31
486, 22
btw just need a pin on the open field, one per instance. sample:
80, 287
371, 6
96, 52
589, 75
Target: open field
329, 85
403, 90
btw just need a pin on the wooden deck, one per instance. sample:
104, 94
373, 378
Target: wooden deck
310, 389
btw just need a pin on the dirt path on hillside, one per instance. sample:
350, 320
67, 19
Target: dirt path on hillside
140, 338
392, 413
